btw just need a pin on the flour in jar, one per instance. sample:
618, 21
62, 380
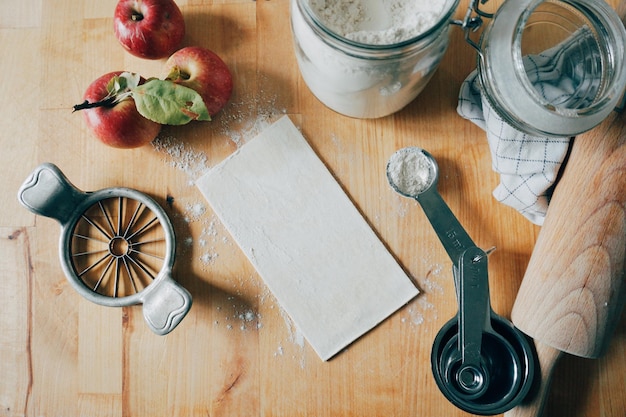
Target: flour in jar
369, 58
378, 22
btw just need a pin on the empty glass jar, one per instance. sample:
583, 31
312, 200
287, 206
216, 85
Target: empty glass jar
553, 67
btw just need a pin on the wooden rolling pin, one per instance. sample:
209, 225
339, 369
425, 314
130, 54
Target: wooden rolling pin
574, 288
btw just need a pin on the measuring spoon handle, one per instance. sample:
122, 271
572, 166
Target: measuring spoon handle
474, 305
453, 237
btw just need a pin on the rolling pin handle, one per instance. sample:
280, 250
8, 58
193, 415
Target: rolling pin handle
534, 403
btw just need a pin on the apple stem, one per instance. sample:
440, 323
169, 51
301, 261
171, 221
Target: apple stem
136, 16
107, 102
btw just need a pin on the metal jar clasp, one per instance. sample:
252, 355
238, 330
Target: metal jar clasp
472, 21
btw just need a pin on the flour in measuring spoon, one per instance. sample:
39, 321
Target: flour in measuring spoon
378, 22
410, 171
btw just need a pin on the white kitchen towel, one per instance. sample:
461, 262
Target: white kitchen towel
529, 165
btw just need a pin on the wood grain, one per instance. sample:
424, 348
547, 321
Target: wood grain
15, 321
216, 363
573, 291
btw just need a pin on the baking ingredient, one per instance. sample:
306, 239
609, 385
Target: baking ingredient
308, 242
410, 171
377, 76
119, 125
150, 29
378, 22
204, 71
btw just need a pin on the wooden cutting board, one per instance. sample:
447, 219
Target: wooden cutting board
63, 356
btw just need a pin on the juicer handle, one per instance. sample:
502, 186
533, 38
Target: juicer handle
165, 304
49, 193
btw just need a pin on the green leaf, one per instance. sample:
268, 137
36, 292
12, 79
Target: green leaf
122, 83
129, 80
168, 103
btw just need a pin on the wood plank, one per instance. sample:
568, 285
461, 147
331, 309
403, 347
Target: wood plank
217, 362
54, 328
25, 14
15, 321
100, 349
19, 136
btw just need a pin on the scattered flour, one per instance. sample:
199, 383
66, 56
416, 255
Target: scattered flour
418, 310
240, 122
244, 119
421, 310
210, 238
237, 315
296, 337
181, 157
195, 211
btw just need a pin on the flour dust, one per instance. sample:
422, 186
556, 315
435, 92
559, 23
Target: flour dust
240, 121
420, 309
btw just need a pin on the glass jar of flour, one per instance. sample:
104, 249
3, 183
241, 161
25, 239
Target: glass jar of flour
553, 68
369, 58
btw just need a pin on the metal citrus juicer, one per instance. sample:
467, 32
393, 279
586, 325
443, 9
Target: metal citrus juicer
116, 247
480, 361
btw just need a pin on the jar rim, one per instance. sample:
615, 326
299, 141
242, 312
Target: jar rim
444, 18
502, 72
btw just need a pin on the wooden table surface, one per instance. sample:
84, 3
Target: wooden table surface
237, 353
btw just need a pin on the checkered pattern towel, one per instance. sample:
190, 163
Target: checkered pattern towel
529, 165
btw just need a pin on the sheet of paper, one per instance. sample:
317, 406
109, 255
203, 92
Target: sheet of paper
313, 249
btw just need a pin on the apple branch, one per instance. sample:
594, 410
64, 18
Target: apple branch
107, 102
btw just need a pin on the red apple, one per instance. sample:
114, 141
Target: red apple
205, 72
150, 29
120, 125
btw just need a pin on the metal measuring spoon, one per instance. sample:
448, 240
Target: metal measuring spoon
480, 362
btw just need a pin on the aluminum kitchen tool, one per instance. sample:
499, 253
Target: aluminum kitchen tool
480, 361
117, 245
